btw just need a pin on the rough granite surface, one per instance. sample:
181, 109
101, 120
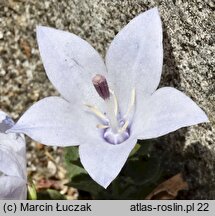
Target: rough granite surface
188, 28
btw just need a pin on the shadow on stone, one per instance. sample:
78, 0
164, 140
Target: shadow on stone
171, 145
197, 171
170, 74
192, 161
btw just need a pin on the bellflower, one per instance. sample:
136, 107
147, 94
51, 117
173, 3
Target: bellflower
12, 162
106, 107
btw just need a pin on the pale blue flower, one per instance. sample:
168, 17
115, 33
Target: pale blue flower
13, 173
107, 127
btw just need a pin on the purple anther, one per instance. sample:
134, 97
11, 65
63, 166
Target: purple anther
101, 86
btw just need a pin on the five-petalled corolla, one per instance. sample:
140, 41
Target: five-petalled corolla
106, 107
13, 172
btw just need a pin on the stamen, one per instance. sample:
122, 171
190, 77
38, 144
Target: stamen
131, 104
96, 111
101, 86
101, 126
124, 127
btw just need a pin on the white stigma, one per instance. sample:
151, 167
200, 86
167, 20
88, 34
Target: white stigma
112, 116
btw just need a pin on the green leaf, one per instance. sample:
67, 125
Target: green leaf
84, 182
142, 171
135, 150
143, 147
32, 193
79, 178
73, 164
71, 154
139, 176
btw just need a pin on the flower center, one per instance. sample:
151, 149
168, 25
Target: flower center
116, 128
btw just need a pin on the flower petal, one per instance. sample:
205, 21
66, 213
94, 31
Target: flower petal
12, 188
54, 121
70, 63
135, 56
165, 111
103, 161
16, 142
12, 149
10, 163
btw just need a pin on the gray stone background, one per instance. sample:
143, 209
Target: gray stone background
188, 28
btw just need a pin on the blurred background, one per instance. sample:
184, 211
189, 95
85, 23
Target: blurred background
188, 28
